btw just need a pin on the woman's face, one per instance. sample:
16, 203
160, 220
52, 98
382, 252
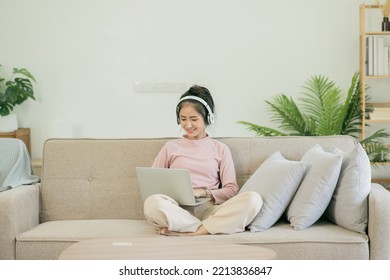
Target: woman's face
192, 122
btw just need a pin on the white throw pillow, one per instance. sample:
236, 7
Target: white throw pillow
316, 189
276, 180
348, 207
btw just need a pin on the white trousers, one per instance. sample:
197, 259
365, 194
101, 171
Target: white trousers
232, 216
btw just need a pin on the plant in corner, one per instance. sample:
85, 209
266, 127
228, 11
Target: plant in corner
324, 110
16, 90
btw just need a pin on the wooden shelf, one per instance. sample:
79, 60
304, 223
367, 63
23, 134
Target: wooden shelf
378, 33
387, 163
378, 76
382, 181
378, 104
372, 79
371, 6
378, 121
362, 66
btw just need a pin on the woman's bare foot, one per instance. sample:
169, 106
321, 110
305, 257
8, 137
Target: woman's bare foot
201, 231
165, 231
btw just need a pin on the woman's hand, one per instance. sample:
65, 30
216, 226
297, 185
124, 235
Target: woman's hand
200, 192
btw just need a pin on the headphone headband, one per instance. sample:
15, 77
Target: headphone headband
210, 115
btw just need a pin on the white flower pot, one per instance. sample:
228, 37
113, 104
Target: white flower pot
8, 123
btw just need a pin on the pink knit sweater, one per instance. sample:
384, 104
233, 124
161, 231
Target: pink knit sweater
209, 161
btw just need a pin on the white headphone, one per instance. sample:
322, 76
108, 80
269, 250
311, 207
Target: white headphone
210, 114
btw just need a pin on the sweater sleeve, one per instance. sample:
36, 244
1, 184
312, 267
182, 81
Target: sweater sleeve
162, 160
227, 178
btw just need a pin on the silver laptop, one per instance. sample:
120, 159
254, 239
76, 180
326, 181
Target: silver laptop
175, 183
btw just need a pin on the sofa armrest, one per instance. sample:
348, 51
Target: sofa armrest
379, 222
19, 211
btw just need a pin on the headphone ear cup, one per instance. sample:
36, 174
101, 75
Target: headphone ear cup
210, 118
177, 115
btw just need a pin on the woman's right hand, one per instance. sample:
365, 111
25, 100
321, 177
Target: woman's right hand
200, 192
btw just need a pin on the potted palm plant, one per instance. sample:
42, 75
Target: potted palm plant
324, 110
14, 91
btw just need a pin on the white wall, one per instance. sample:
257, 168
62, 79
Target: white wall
87, 54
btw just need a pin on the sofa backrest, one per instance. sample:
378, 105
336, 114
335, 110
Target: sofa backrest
96, 178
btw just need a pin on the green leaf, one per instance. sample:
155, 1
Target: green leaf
286, 112
23, 72
321, 101
16, 90
312, 100
262, 130
351, 111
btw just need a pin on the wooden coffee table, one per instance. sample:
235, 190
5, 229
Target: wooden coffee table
162, 248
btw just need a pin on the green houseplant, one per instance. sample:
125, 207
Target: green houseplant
324, 110
14, 91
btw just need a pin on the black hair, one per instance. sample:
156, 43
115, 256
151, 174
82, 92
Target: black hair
200, 92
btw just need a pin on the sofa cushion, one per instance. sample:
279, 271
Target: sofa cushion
49, 239
323, 240
276, 180
316, 189
348, 207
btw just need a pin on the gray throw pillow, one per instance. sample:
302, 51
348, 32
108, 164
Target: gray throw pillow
316, 189
348, 207
276, 180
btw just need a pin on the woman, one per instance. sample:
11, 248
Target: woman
212, 174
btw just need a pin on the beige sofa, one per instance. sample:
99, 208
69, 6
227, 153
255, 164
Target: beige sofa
89, 190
